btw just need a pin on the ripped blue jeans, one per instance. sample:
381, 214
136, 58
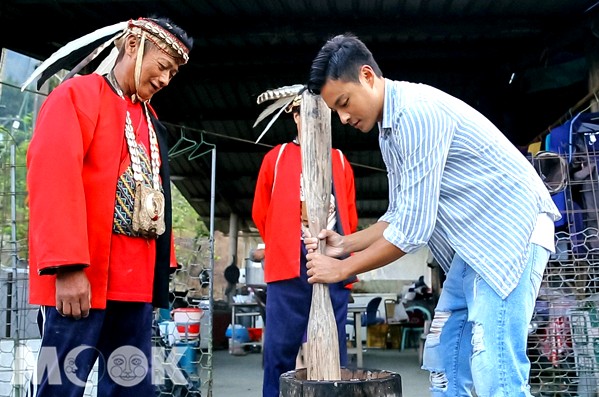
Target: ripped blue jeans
477, 340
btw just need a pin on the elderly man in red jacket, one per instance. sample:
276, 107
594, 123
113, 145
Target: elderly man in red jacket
97, 264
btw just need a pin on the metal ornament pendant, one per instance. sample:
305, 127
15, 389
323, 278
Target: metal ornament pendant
148, 212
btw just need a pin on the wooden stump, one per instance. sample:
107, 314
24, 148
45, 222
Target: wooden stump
353, 383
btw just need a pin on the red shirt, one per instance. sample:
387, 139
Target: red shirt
73, 163
276, 207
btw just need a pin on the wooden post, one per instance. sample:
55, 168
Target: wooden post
322, 357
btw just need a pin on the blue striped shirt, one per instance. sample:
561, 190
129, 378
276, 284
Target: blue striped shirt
457, 184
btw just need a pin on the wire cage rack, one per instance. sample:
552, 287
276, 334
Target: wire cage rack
19, 333
184, 331
563, 344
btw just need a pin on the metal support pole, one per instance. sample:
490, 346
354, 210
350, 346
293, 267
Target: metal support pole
211, 298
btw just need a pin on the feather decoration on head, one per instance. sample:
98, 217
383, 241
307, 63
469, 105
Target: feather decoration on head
160, 31
106, 34
284, 98
90, 58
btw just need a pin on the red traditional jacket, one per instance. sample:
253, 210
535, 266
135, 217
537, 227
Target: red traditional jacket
276, 207
73, 166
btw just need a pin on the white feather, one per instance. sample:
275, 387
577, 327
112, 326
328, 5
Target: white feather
107, 63
93, 55
73, 46
275, 117
271, 108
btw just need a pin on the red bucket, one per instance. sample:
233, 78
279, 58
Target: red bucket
187, 320
255, 334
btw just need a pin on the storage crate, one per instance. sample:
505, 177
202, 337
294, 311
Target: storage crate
376, 335
383, 336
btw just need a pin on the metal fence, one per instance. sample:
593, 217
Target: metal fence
182, 355
564, 340
19, 334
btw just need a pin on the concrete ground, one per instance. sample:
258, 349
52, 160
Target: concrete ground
241, 376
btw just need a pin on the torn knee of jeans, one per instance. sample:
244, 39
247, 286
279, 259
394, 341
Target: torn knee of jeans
437, 326
438, 380
478, 338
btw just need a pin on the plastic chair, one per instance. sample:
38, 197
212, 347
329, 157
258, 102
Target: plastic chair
371, 313
418, 316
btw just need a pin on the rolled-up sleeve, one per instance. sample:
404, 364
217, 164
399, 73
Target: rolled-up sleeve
415, 152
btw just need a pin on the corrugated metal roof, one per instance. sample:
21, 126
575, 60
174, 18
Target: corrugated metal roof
469, 48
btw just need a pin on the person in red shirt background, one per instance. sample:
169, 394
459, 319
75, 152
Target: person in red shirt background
277, 212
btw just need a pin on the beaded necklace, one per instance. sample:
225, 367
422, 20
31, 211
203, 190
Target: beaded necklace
132, 143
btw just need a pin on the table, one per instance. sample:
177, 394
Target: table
357, 311
254, 313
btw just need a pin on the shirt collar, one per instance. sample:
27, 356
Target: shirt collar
386, 122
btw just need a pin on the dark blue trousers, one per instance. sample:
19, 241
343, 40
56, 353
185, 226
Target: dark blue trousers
287, 313
120, 337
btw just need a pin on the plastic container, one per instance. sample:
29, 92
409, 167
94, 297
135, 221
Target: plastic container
187, 320
255, 334
241, 333
186, 353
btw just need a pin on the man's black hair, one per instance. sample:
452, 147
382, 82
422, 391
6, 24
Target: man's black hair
175, 30
340, 58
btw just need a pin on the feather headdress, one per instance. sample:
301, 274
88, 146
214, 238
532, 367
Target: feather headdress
284, 98
161, 32
57, 60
